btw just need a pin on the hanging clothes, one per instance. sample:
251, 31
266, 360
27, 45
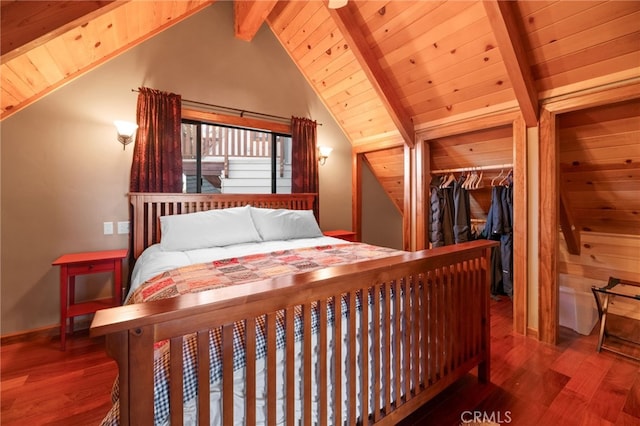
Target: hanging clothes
499, 227
450, 214
441, 223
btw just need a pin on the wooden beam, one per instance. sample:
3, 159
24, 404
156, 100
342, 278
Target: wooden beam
249, 16
520, 227
357, 159
407, 215
568, 225
28, 24
351, 31
548, 289
505, 28
423, 193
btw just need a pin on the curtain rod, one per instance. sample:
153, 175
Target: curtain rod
470, 169
242, 112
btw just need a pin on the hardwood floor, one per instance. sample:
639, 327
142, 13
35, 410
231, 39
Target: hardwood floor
534, 383
531, 383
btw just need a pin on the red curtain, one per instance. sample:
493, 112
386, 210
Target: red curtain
157, 155
304, 168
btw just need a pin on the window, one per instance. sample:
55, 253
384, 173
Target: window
227, 159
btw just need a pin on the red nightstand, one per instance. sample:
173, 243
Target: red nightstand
342, 234
81, 264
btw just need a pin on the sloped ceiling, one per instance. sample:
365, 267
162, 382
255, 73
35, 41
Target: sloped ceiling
384, 69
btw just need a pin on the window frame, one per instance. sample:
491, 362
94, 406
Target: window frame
196, 117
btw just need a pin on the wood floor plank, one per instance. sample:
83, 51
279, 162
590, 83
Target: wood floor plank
632, 405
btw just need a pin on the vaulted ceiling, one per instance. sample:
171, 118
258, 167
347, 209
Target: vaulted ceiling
384, 69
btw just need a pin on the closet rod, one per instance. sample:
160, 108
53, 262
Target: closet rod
470, 169
242, 112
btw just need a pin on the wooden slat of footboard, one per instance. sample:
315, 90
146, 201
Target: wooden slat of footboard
322, 361
479, 287
449, 322
457, 339
364, 355
141, 377
464, 288
387, 348
175, 380
204, 368
352, 359
442, 284
456, 318
290, 365
469, 309
424, 310
227, 374
433, 327
416, 326
377, 365
337, 360
250, 372
406, 337
306, 361
271, 368
397, 372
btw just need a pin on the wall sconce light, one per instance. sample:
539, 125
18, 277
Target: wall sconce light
323, 154
126, 130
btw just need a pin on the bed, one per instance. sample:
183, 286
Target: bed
292, 328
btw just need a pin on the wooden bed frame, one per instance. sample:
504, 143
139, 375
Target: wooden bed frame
444, 323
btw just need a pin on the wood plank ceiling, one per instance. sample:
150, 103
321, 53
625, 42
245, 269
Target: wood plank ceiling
384, 69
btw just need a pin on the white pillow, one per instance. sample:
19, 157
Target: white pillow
212, 228
282, 224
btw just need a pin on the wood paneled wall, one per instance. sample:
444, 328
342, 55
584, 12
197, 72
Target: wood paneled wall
602, 256
600, 167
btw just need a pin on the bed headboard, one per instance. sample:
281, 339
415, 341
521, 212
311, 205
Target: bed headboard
147, 207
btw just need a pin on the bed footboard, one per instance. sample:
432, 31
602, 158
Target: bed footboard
423, 318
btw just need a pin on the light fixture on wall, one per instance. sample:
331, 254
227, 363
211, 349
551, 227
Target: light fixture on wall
335, 4
323, 154
126, 130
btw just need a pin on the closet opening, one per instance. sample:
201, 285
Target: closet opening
475, 188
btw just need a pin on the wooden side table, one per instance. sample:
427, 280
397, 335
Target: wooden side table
74, 264
342, 234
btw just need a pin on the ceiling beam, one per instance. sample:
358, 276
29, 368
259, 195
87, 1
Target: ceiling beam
351, 31
509, 40
29, 24
249, 16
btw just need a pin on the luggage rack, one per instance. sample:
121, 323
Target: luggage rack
615, 287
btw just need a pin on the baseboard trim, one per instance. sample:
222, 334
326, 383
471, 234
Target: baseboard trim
48, 331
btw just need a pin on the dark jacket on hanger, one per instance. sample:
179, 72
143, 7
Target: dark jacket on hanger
442, 207
462, 216
499, 228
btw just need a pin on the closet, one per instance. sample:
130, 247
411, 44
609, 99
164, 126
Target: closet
471, 195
